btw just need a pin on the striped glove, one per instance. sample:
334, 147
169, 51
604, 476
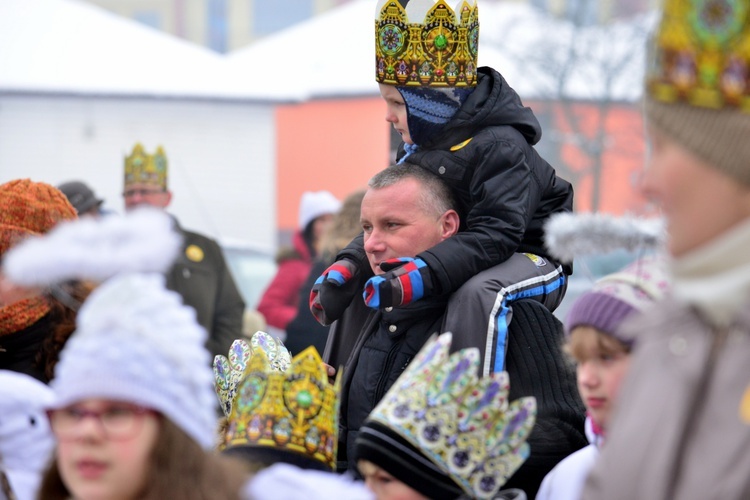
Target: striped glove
331, 288
406, 280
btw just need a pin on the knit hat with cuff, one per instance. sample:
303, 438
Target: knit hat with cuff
380, 445
137, 342
428, 109
618, 295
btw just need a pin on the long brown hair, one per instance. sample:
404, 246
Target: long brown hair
178, 468
64, 305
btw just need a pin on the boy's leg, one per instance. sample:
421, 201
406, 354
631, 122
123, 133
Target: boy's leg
479, 312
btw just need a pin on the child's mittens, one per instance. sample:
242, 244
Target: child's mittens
333, 291
406, 280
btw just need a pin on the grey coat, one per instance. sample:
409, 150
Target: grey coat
682, 428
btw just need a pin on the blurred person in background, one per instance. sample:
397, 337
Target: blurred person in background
34, 324
279, 302
682, 425
304, 330
200, 273
26, 441
83, 199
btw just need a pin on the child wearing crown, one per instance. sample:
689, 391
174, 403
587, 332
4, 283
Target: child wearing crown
469, 127
443, 433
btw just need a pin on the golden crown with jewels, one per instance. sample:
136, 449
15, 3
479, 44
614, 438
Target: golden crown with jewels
702, 54
294, 409
143, 168
438, 51
463, 424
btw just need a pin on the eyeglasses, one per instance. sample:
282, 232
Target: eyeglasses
119, 421
141, 192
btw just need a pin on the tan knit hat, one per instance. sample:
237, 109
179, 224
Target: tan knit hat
29, 208
698, 85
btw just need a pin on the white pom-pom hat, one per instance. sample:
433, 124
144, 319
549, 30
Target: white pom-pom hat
314, 204
137, 342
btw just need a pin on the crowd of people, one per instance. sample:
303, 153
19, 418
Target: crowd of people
435, 367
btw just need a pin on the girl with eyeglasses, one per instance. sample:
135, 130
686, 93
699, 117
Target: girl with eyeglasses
133, 410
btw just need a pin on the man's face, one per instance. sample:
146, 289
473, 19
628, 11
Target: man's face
396, 224
699, 202
395, 113
137, 195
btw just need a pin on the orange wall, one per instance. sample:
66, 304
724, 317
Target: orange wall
622, 158
327, 144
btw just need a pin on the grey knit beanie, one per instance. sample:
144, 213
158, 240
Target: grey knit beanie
718, 136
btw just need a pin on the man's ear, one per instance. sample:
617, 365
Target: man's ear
450, 223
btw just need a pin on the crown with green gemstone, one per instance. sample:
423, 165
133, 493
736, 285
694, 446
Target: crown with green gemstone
144, 168
462, 423
295, 409
701, 54
229, 370
438, 50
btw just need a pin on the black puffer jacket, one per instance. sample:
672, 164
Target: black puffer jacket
385, 346
506, 190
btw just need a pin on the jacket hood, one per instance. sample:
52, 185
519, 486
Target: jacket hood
493, 103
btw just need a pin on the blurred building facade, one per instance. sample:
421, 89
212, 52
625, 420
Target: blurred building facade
226, 25
221, 25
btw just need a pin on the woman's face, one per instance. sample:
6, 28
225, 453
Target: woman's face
385, 486
104, 448
699, 202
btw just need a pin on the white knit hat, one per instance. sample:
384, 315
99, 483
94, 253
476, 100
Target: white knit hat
137, 342
26, 442
314, 204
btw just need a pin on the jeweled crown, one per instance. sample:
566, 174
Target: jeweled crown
229, 370
701, 54
437, 50
464, 424
143, 168
295, 410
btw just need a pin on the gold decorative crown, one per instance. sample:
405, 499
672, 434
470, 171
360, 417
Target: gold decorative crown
463, 424
229, 371
441, 51
143, 168
702, 54
296, 410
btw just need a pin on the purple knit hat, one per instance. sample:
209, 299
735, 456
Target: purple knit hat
618, 295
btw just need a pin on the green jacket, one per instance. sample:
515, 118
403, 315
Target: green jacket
202, 277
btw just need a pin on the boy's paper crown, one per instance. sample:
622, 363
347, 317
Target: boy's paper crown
276, 405
463, 424
702, 54
436, 49
143, 168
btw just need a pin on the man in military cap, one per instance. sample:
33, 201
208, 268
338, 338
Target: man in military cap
200, 273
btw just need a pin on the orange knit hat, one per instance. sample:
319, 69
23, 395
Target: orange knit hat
29, 208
